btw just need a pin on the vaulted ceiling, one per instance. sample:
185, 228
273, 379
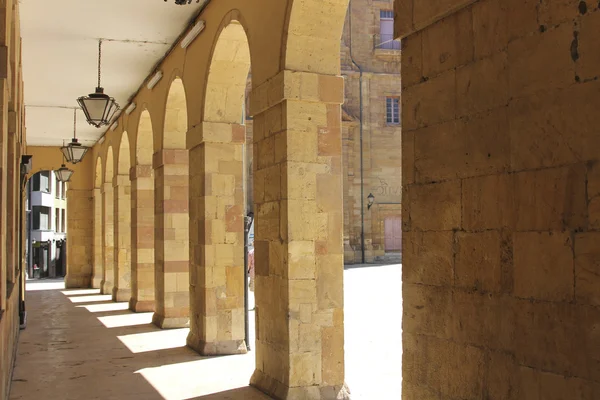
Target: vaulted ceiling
60, 55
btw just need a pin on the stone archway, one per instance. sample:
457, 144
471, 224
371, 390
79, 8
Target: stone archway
171, 215
142, 219
299, 221
217, 201
98, 265
108, 231
122, 223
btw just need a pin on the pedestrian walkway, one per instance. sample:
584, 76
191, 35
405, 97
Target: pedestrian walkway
80, 345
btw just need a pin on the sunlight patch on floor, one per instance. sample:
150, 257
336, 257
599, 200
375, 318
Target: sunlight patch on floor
117, 321
35, 285
201, 377
90, 299
80, 292
373, 330
152, 341
96, 308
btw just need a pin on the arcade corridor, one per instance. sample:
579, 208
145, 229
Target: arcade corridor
81, 345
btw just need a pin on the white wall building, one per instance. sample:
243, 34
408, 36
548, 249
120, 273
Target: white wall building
47, 225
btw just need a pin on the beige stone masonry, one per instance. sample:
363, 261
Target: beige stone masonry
142, 238
501, 186
217, 237
298, 236
98, 255
80, 238
171, 238
122, 226
108, 238
4, 95
413, 15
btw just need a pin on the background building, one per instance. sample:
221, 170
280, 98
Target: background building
369, 58
371, 124
47, 225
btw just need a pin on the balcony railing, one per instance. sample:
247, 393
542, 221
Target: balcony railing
385, 42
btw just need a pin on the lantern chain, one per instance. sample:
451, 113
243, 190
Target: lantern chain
74, 123
99, 59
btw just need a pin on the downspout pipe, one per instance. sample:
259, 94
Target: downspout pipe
360, 101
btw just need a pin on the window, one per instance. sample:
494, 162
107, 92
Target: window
386, 31
64, 190
41, 182
57, 220
35, 183
57, 186
64, 220
41, 216
392, 110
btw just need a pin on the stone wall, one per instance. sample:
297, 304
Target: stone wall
12, 147
500, 180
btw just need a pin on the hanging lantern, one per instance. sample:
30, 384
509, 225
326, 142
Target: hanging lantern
98, 107
64, 174
74, 151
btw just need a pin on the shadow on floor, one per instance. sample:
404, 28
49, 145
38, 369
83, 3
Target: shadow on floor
76, 350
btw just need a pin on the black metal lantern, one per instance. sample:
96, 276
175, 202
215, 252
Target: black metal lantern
64, 174
371, 200
98, 107
184, 2
74, 151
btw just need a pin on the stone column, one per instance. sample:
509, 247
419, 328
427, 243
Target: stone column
217, 237
142, 239
298, 245
122, 226
4, 95
98, 255
171, 238
12, 188
107, 238
79, 238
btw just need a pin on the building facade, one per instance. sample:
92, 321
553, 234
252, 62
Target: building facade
47, 226
371, 134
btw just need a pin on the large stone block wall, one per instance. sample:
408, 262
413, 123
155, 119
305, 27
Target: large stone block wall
12, 146
171, 238
501, 177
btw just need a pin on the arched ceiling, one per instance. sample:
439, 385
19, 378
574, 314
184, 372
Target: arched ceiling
60, 52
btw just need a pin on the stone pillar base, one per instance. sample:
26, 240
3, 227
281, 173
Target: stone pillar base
121, 295
222, 348
141, 306
77, 281
107, 288
278, 390
170, 322
97, 283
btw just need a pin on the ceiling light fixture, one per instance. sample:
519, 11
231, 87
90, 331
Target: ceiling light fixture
74, 151
155, 79
192, 34
130, 109
98, 107
184, 2
64, 174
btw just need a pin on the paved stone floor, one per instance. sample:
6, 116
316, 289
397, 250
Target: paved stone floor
80, 345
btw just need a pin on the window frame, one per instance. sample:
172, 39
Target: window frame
395, 111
